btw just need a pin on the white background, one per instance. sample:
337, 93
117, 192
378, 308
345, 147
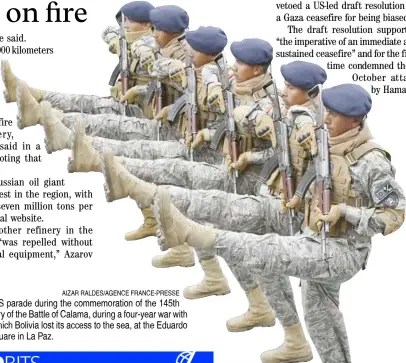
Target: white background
372, 302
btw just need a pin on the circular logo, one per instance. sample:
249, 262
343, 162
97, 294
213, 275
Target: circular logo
184, 357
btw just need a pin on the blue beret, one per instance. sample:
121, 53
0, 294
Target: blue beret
252, 51
170, 18
348, 100
303, 74
207, 39
137, 11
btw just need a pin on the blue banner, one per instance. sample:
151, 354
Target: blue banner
107, 357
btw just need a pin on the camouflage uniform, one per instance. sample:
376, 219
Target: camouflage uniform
208, 175
193, 175
107, 128
272, 258
95, 105
110, 127
247, 213
203, 176
209, 117
241, 213
124, 128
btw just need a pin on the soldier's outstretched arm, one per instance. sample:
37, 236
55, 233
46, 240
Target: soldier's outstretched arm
111, 36
305, 124
109, 33
142, 50
163, 67
215, 99
257, 118
264, 129
211, 79
377, 177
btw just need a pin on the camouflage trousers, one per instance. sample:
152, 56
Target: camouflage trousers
199, 191
191, 175
196, 190
121, 128
101, 121
152, 150
272, 259
89, 104
241, 213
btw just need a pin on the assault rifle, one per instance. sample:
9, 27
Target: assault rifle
319, 169
155, 92
232, 135
188, 101
191, 104
323, 172
282, 151
124, 68
116, 72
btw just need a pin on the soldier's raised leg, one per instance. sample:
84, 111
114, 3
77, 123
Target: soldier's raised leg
269, 256
175, 227
84, 148
65, 102
121, 184
10, 82
110, 126
205, 208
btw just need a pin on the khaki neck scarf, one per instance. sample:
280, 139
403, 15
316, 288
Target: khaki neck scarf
308, 106
348, 141
171, 48
250, 86
134, 36
200, 70
312, 105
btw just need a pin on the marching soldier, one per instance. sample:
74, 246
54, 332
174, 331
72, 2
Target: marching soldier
206, 44
253, 123
251, 78
57, 126
365, 200
139, 38
249, 213
140, 43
